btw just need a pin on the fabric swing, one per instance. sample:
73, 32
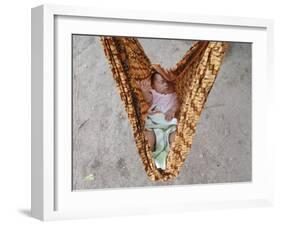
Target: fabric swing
193, 75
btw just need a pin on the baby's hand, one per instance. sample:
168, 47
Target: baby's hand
154, 111
169, 115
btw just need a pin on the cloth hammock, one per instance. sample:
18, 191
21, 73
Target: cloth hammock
193, 75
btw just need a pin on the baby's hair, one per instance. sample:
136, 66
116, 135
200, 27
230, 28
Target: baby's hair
153, 74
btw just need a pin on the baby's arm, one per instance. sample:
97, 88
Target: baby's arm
145, 88
170, 114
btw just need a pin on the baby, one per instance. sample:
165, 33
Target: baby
162, 99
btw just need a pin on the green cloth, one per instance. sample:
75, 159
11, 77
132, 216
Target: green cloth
162, 129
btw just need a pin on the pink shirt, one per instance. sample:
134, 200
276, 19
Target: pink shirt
162, 102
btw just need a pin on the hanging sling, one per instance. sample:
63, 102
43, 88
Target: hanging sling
193, 76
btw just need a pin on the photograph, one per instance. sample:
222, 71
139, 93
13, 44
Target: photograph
157, 112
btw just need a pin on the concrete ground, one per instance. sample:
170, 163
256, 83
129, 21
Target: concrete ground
104, 153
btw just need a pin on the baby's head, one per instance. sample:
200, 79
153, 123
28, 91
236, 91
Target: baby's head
161, 79
160, 84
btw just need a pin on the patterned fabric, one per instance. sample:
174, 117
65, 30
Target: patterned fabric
195, 75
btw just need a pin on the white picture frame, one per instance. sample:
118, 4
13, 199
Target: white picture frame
52, 197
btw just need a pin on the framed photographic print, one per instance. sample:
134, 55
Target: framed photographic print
137, 112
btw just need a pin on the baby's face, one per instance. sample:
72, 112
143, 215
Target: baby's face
161, 85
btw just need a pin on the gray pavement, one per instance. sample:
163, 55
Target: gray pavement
104, 153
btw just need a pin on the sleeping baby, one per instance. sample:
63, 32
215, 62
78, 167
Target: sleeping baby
160, 125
